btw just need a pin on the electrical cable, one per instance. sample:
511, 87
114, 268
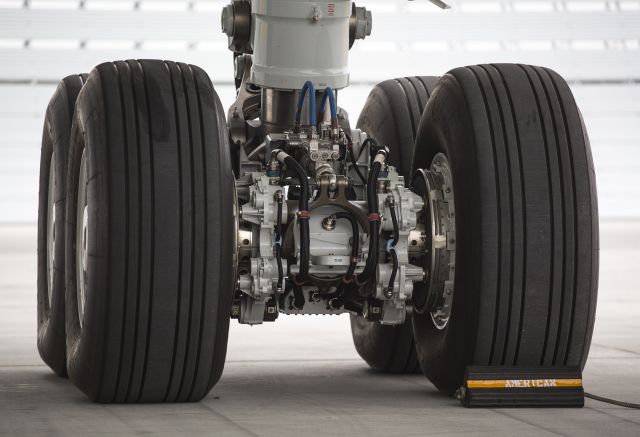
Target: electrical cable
612, 401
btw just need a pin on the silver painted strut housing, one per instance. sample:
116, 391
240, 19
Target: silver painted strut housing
295, 41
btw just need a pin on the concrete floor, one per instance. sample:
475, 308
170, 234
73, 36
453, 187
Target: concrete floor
302, 375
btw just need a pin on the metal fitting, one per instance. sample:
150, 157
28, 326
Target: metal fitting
360, 24
329, 223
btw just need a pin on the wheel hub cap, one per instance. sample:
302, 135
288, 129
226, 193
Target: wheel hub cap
82, 234
438, 220
51, 231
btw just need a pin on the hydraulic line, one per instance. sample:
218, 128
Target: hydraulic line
355, 244
391, 244
307, 87
298, 297
354, 162
328, 93
342, 292
303, 222
278, 243
365, 143
374, 219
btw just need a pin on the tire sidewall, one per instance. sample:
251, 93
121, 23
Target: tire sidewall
55, 146
84, 354
446, 127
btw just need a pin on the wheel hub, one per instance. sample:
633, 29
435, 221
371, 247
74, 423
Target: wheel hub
51, 231
438, 222
82, 234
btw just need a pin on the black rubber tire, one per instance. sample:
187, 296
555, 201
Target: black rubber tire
385, 348
55, 138
161, 234
526, 222
392, 115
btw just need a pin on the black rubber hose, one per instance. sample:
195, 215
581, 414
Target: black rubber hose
337, 298
374, 224
355, 243
365, 143
303, 217
298, 297
394, 271
392, 245
354, 161
394, 221
278, 244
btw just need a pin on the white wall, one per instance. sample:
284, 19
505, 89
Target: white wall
594, 43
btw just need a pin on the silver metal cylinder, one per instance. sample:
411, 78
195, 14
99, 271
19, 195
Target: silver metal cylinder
279, 109
295, 41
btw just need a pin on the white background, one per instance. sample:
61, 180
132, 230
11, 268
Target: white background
595, 44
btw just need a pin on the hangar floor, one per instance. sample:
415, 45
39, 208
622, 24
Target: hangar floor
302, 375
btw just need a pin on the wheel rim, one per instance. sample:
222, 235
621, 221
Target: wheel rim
51, 232
439, 226
82, 233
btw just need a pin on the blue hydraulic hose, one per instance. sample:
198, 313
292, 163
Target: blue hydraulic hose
328, 92
308, 86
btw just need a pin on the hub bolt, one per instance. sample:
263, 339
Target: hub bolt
329, 223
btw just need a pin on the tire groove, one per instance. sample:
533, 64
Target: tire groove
512, 224
193, 230
575, 217
524, 212
105, 335
180, 232
565, 250
498, 213
152, 239
426, 90
205, 239
550, 180
408, 105
394, 351
563, 215
127, 234
420, 106
140, 206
